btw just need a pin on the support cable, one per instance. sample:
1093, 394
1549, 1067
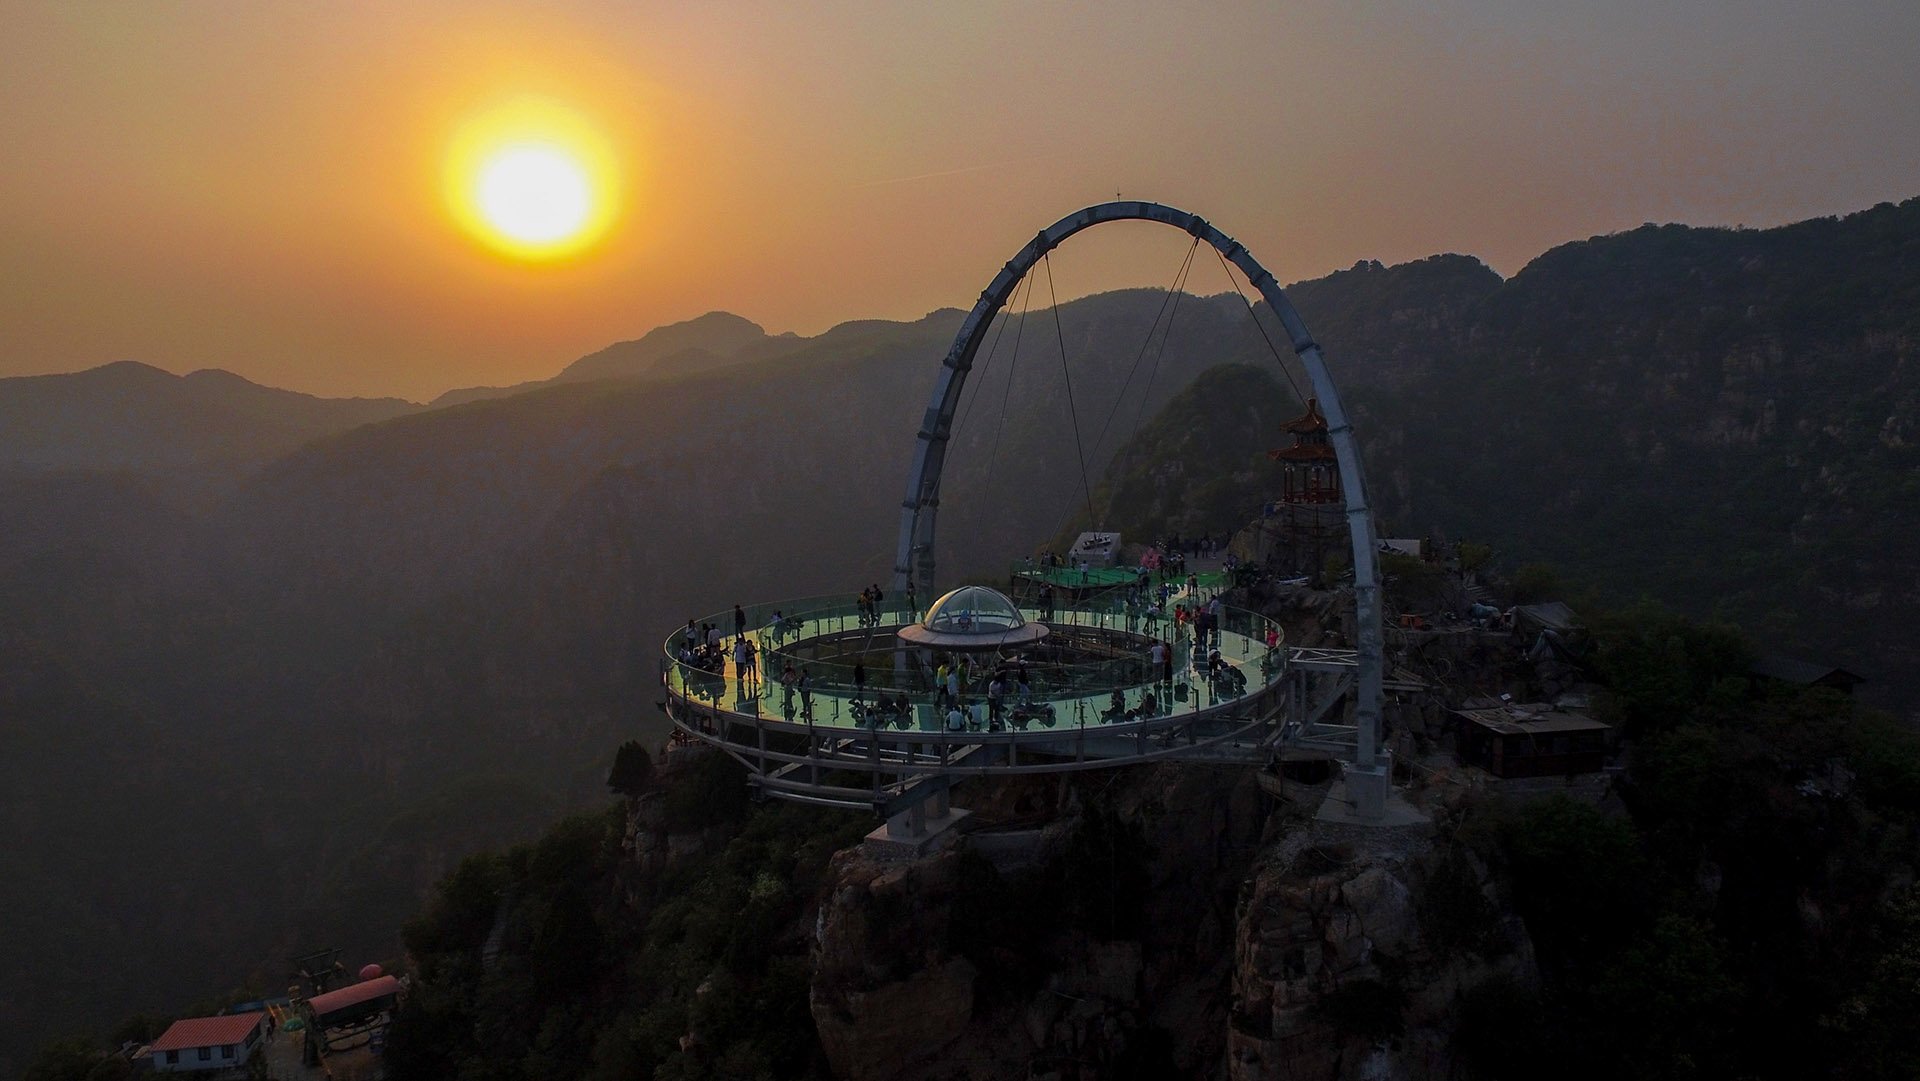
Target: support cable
1013, 368
1146, 392
1172, 297
979, 381
980, 385
1271, 348
1072, 412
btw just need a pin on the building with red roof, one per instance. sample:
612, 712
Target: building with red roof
354, 1001
208, 1043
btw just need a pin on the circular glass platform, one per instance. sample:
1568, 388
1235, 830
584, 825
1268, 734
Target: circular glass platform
1085, 665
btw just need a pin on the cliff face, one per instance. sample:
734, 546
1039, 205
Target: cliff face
1348, 965
1307, 954
1080, 959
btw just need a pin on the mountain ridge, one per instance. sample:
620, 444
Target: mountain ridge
128, 415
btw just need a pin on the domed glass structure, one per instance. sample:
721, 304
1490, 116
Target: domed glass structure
973, 617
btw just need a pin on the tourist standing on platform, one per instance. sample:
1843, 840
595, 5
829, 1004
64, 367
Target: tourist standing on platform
806, 693
1156, 658
789, 679
1166, 654
743, 663
859, 681
953, 682
739, 622
996, 690
691, 636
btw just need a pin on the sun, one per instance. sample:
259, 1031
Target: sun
532, 180
534, 194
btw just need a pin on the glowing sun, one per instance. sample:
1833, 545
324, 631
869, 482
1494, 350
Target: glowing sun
531, 180
534, 194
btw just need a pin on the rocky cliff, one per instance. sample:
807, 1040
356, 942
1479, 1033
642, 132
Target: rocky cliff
1342, 957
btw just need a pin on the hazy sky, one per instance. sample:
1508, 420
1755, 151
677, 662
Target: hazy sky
257, 186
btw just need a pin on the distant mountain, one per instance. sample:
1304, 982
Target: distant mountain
131, 416
1726, 421
710, 343
692, 346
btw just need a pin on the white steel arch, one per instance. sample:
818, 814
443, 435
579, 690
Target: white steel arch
913, 564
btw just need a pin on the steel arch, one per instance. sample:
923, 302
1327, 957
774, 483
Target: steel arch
913, 564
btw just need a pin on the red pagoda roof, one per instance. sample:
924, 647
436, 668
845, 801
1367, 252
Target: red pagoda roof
207, 1032
1310, 421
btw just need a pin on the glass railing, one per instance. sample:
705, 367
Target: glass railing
1033, 573
1105, 621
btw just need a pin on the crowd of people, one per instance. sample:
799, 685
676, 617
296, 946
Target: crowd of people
984, 693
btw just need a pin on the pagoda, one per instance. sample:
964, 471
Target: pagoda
1297, 531
1312, 469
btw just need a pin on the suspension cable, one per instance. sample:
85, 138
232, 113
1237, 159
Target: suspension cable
1255, 316
1179, 293
1072, 411
1006, 395
1172, 295
979, 383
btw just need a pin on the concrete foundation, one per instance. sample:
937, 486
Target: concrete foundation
1392, 811
901, 842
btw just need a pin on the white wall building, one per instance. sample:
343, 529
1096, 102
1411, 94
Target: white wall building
208, 1043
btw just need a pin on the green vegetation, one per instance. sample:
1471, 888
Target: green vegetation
559, 960
1749, 916
594, 972
1200, 466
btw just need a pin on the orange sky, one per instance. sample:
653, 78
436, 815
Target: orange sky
256, 186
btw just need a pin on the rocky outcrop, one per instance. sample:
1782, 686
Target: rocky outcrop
1345, 956
886, 996
893, 1000
1346, 968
